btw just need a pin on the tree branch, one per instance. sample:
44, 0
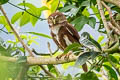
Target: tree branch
15, 32
41, 60
115, 2
110, 15
103, 16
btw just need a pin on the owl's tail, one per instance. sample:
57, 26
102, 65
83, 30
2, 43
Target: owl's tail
84, 66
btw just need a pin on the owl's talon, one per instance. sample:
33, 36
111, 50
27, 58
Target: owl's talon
66, 56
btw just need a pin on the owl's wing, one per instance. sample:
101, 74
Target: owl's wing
55, 40
72, 31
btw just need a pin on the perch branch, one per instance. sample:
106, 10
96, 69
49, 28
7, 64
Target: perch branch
41, 60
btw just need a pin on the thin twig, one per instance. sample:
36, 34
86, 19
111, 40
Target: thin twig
57, 6
57, 71
44, 54
110, 15
114, 28
46, 71
26, 11
103, 16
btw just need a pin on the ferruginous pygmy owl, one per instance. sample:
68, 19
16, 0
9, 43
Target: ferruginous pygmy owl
63, 33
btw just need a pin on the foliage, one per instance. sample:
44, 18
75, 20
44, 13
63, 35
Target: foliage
102, 57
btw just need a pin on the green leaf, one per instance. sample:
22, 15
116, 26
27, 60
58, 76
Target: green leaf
54, 5
74, 11
92, 22
85, 56
87, 41
85, 12
24, 19
64, 9
112, 74
95, 10
3, 20
40, 34
100, 39
21, 59
3, 1
16, 17
85, 3
72, 47
29, 5
43, 8
80, 22
68, 77
89, 76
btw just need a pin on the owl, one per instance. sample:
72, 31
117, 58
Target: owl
62, 32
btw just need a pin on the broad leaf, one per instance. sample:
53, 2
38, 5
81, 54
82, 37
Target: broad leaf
80, 22
100, 38
3, 1
112, 74
85, 56
24, 19
90, 43
54, 5
29, 5
3, 20
95, 10
16, 17
85, 3
73, 47
39, 34
92, 22
64, 9
89, 76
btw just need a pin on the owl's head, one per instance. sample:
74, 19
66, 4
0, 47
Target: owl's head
56, 18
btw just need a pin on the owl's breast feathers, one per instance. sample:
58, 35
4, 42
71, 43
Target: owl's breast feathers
64, 35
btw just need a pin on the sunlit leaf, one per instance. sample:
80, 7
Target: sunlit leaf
85, 12
29, 5
112, 74
40, 34
24, 19
96, 11
15, 17
100, 38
